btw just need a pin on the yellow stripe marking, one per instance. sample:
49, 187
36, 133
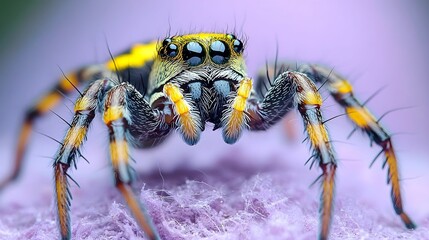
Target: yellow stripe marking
245, 88
243, 93
119, 152
183, 109
394, 175
237, 115
312, 98
173, 92
176, 96
360, 116
139, 55
113, 113
67, 84
48, 102
317, 134
75, 136
239, 104
342, 86
235, 122
82, 104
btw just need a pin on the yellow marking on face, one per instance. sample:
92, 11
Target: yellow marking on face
48, 102
119, 152
67, 83
360, 116
113, 113
312, 98
342, 86
75, 136
317, 134
139, 55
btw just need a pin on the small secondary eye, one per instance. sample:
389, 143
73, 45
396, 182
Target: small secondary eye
238, 46
193, 53
171, 50
231, 36
166, 42
219, 52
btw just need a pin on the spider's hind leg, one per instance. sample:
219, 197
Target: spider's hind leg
65, 86
342, 92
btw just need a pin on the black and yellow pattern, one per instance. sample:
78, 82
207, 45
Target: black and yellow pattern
117, 119
184, 82
342, 92
85, 108
234, 118
188, 120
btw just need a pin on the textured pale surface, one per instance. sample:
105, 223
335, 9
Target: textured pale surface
238, 196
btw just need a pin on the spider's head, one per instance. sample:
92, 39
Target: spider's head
201, 57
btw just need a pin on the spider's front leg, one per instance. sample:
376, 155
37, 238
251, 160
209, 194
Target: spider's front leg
342, 92
292, 89
85, 108
130, 119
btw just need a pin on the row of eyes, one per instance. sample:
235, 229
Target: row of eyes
194, 53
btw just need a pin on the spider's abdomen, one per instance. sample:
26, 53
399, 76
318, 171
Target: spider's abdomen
135, 64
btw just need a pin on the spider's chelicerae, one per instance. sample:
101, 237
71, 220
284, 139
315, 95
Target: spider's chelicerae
182, 83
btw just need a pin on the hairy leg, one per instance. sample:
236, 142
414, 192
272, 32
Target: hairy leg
129, 118
342, 91
85, 108
293, 89
65, 86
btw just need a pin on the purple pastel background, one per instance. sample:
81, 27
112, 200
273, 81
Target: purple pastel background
257, 188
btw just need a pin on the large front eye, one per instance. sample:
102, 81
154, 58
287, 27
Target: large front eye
219, 52
193, 53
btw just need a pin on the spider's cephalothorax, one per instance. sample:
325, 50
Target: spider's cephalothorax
206, 69
181, 83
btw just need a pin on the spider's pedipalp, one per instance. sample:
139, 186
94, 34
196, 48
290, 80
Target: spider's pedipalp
234, 118
188, 116
342, 91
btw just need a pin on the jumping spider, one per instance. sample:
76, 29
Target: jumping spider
182, 83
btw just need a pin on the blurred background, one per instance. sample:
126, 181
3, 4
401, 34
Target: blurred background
375, 44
